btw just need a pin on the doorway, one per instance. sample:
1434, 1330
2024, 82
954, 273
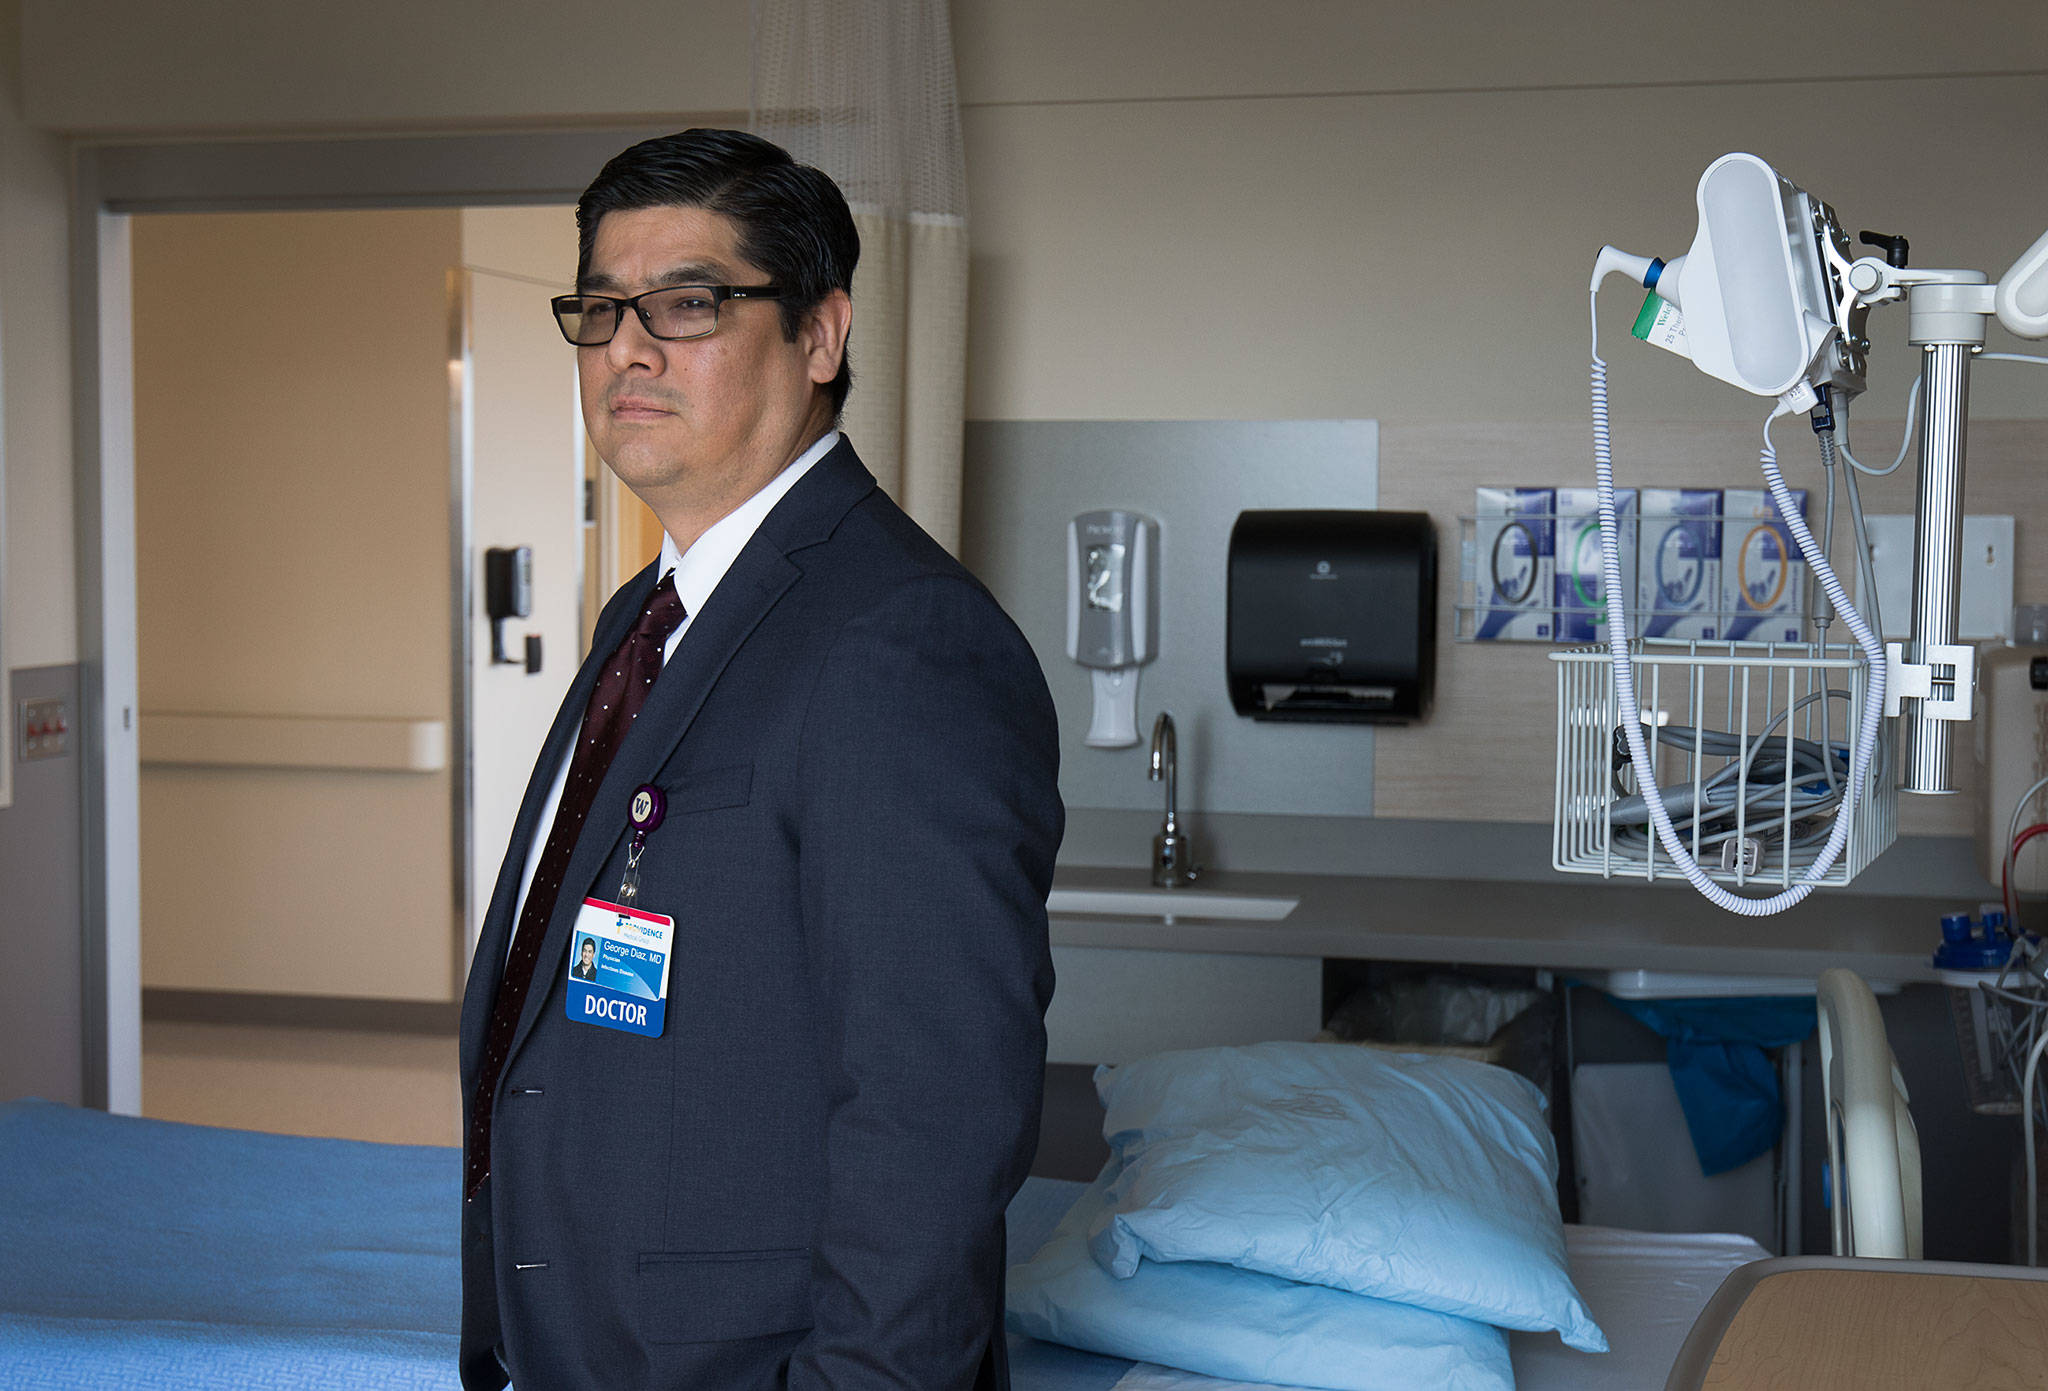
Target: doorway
111, 185
338, 414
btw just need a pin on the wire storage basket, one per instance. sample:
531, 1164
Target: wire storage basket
1750, 743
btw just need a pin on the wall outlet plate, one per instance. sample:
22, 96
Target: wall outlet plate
42, 728
1987, 576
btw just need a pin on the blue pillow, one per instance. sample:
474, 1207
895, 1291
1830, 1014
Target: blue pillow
1427, 1180
1225, 1322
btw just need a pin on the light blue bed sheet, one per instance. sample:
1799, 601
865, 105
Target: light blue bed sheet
146, 1254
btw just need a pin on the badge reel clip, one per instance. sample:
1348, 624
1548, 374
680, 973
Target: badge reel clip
648, 807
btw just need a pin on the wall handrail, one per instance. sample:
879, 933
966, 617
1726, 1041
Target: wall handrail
355, 743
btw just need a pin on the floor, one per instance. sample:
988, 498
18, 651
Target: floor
398, 1088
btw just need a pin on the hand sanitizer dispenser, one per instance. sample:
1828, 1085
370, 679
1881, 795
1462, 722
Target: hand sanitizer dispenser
1113, 614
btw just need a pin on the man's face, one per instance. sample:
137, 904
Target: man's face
706, 421
589, 954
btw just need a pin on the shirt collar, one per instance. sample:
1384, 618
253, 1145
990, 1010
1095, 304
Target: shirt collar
699, 569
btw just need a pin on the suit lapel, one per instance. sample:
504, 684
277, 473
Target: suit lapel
759, 577
494, 939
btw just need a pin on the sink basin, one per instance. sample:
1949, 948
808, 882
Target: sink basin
1169, 903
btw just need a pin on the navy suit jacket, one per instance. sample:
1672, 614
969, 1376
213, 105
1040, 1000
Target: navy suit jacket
801, 1182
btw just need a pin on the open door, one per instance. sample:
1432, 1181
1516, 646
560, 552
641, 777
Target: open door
522, 439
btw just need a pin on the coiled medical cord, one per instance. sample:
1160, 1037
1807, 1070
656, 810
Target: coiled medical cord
1766, 779
1624, 670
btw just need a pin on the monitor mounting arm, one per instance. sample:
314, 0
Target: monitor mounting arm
1932, 676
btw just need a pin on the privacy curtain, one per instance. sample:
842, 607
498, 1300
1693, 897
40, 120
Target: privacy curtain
863, 89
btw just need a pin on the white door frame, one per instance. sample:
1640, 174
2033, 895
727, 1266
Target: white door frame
110, 183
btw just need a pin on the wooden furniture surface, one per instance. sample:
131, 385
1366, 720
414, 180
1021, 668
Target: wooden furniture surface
1816, 1323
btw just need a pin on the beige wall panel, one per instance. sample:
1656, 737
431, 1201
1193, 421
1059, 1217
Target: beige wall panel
397, 1089
297, 882
292, 530
292, 461
38, 589
1487, 752
1079, 50
222, 65
536, 242
1424, 258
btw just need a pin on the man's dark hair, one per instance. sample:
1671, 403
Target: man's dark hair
793, 221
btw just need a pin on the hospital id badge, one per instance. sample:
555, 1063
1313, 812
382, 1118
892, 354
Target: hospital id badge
618, 967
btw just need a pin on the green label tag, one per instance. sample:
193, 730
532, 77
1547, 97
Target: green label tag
1659, 322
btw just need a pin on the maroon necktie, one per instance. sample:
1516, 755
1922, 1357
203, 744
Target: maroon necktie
622, 689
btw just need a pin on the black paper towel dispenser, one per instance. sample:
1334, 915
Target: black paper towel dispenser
1332, 615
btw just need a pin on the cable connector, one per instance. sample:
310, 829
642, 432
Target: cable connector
1822, 416
1797, 399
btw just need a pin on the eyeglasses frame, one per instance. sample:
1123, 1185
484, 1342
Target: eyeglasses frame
719, 295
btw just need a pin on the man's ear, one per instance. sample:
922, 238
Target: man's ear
823, 335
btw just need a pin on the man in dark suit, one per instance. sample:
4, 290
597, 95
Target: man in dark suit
791, 1171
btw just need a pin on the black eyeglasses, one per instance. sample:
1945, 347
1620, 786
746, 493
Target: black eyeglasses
671, 313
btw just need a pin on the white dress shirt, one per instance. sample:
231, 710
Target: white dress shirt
697, 571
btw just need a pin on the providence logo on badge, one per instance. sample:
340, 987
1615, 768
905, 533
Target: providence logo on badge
625, 982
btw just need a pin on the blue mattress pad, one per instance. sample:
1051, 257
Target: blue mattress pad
149, 1254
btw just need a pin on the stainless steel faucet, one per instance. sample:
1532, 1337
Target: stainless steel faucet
1173, 851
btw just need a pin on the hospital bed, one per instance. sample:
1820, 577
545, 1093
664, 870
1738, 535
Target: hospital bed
149, 1254
143, 1253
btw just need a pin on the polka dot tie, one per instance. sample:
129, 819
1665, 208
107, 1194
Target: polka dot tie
622, 688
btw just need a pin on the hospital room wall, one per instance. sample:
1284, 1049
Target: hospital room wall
1296, 210
41, 617
1172, 222
41, 1013
1393, 204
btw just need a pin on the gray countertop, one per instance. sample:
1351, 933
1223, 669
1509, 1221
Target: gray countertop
1569, 925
